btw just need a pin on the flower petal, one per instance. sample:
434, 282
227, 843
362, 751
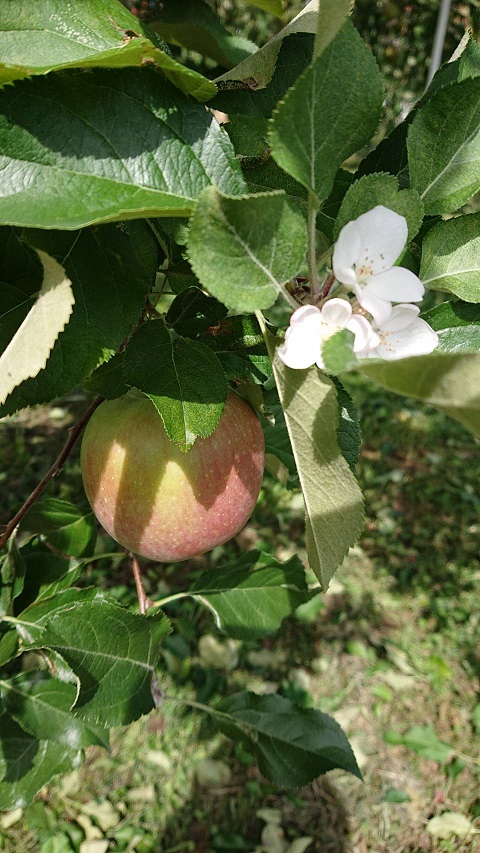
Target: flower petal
402, 315
418, 338
302, 343
345, 254
365, 337
382, 235
397, 285
302, 312
337, 312
379, 308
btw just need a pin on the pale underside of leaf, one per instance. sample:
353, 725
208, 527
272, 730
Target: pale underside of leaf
261, 65
28, 351
333, 500
448, 382
331, 16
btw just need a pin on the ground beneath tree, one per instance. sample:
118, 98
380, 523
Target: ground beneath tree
391, 651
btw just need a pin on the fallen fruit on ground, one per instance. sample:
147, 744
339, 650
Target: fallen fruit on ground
161, 503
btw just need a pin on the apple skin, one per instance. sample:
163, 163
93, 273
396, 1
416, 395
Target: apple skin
161, 503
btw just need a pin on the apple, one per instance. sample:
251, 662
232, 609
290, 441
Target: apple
161, 503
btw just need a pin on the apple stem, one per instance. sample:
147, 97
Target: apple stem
74, 434
143, 599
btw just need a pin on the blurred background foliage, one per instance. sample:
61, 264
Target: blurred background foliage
400, 35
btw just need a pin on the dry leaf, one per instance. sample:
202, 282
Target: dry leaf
450, 823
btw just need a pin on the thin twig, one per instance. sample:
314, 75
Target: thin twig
74, 434
327, 285
143, 599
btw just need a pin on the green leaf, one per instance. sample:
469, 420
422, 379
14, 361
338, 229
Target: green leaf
333, 501
444, 147
268, 176
21, 276
394, 795
27, 764
252, 599
263, 237
327, 215
41, 705
279, 459
424, 741
111, 269
475, 718
193, 312
348, 431
12, 576
47, 36
248, 135
391, 154
465, 63
380, 188
66, 527
330, 112
107, 380
256, 95
59, 843
448, 382
91, 165
183, 379
260, 67
8, 645
457, 325
451, 257
32, 620
113, 653
276, 7
238, 344
292, 745
337, 352
46, 573
194, 26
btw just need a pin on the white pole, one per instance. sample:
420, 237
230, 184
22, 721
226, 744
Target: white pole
439, 38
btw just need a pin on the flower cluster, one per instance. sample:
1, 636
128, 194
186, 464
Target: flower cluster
363, 261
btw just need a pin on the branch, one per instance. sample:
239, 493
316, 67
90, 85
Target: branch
74, 434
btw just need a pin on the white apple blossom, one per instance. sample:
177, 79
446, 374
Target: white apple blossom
402, 335
363, 260
310, 327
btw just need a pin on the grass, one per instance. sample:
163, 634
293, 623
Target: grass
391, 648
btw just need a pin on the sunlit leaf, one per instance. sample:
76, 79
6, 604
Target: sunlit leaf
252, 599
41, 37
444, 147
113, 653
87, 164
451, 257
41, 705
263, 237
183, 379
342, 89
333, 500
448, 382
